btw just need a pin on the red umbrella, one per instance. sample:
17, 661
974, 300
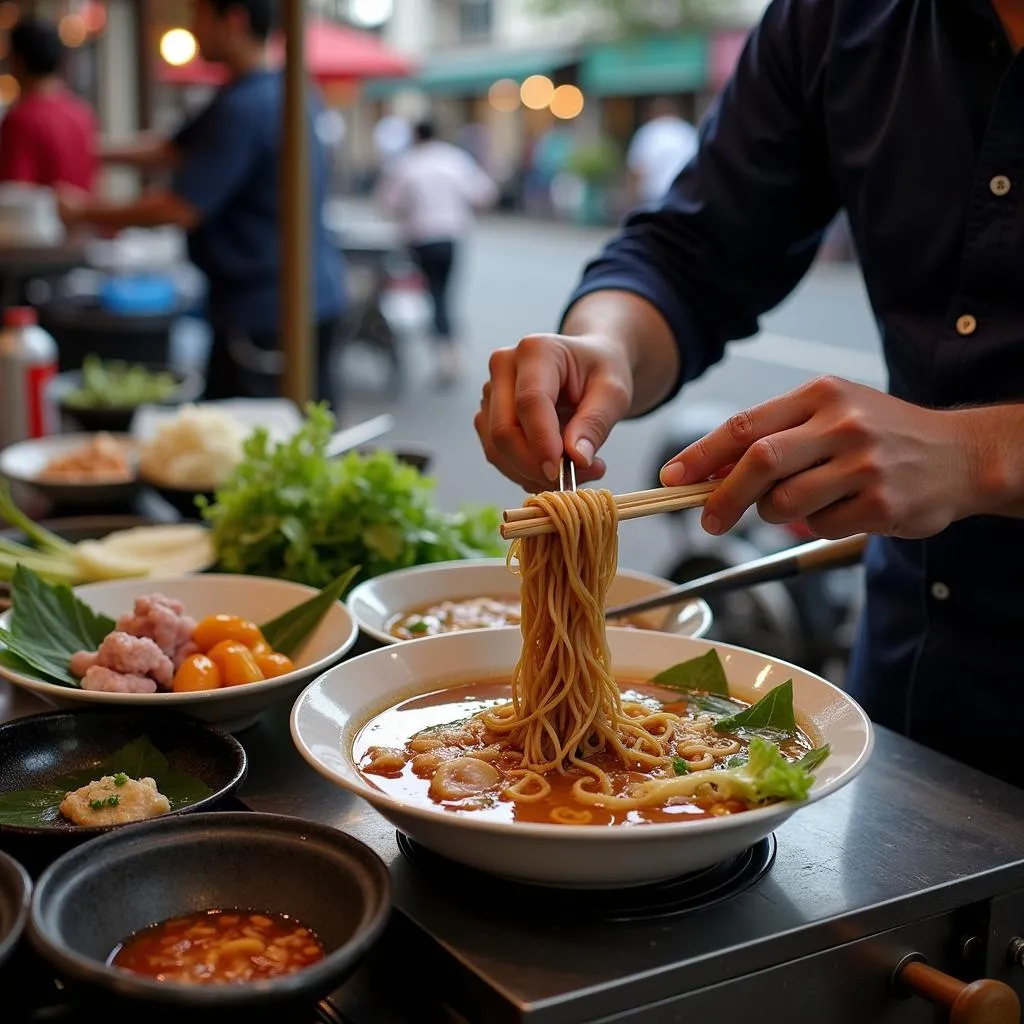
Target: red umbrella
334, 53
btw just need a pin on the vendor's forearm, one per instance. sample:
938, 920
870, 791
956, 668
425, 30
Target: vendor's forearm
154, 209
993, 436
644, 334
146, 152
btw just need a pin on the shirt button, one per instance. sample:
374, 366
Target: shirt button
966, 325
940, 591
1000, 185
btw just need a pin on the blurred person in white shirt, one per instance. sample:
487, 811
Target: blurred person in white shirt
433, 190
660, 149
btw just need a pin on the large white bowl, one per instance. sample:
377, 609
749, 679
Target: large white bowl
333, 708
376, 602
255, 598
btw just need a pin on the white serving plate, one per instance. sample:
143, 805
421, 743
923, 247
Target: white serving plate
253, 597
22, 463
330, 712
374, 603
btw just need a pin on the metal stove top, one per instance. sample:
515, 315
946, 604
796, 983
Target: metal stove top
916, 836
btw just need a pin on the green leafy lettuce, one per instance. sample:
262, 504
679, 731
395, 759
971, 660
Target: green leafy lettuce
289, 511
40, 807
767, 775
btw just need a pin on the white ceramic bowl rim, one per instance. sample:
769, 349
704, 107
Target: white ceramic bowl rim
355, 782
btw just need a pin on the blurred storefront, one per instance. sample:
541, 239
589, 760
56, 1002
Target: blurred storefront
495, 68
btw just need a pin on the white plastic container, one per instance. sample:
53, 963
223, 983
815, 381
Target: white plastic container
28, 361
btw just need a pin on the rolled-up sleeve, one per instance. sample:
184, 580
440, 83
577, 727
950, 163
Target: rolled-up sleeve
743, 221
218, 153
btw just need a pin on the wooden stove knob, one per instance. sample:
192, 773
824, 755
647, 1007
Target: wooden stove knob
977, 1002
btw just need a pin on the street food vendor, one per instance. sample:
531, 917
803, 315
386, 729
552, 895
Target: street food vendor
225, 192
908, 116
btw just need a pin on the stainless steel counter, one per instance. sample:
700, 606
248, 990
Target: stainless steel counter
916, 854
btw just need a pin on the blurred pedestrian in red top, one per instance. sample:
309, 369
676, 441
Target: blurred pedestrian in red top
49, 136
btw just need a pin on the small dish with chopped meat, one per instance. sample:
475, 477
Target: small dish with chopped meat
191, 644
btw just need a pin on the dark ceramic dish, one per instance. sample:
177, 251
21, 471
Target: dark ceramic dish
15, 893
38, 749
98, 894
117, 418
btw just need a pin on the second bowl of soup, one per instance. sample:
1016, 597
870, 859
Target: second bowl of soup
451, 597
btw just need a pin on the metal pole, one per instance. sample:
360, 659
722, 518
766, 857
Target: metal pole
296, 213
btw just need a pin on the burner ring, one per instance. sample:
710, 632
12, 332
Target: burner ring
669, 898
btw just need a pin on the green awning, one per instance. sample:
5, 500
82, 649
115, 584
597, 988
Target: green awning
640, 67
472, 74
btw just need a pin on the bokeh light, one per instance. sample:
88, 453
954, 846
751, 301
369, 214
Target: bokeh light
504, 95
567, 102
178, 46
9, 15
9, 89
94, 14
72, 30
536, 92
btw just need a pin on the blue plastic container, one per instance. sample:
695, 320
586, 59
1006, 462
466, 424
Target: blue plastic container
139, 295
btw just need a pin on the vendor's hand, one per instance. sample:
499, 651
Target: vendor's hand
71, 204
843, 457
548, 395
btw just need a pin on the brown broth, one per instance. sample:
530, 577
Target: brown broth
219, 947
395, 727
458, 614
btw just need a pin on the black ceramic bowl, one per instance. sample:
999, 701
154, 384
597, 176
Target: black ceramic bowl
97, 895
15, 892
117, 418
39, 750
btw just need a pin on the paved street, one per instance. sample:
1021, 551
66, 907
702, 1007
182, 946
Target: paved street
514, 277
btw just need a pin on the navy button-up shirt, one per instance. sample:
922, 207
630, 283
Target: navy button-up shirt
908, 114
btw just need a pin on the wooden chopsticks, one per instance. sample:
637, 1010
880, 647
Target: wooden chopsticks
531, 522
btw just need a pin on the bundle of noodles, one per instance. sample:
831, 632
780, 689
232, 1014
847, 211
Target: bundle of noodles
568, 716
566, 704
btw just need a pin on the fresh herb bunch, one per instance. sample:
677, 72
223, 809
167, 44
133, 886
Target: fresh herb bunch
289, 511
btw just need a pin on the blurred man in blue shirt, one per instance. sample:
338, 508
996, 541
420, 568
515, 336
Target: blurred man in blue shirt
225, 192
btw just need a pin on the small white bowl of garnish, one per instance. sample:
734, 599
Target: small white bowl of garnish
222, 648
480, 593
75, 469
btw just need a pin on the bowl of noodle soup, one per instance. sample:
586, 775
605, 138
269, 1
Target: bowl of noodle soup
445, 597
568, 753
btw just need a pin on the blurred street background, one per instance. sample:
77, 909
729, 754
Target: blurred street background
575, 110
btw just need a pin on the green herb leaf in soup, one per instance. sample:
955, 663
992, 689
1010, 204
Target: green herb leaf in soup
49, 624
40, 807
289, 631
703, 673
773, 713
814, 758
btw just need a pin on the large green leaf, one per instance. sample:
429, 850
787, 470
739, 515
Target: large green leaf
703, 674
288, 632
772, 713
40, 807
49, 624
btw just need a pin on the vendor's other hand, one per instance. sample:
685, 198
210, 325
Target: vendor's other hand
548, 395
843, 457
